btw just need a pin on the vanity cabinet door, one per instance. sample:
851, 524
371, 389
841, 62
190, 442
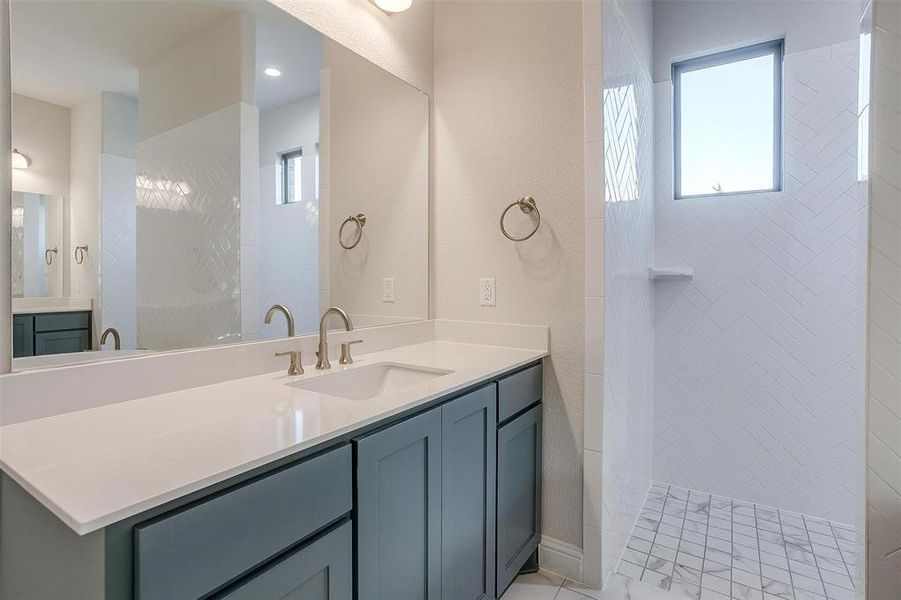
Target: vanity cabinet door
468, 447
61, 342
399, 511
23, 335
518, 494
320, 570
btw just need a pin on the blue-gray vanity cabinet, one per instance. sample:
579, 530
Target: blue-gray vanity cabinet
319, 570
23, 335
468, 486
51, 333
518, 494
399, 510
206, 545
61, 342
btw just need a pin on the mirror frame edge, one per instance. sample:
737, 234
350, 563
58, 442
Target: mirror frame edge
6, 195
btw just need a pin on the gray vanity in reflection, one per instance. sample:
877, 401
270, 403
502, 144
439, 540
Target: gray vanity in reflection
441, 501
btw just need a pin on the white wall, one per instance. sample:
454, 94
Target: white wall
41, 132
687, 28
84, 200
209, 71
884, 345
289, 250
375, 161
118, 203
508, 122
757, 368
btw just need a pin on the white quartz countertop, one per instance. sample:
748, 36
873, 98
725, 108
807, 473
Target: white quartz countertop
95, 467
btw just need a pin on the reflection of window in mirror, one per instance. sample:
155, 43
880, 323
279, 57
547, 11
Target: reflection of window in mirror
291, 177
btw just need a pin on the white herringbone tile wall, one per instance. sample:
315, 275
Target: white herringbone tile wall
188, 234
757, 358
884, 327
628, 233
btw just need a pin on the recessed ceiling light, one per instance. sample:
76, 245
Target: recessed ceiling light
272, 72
393, 6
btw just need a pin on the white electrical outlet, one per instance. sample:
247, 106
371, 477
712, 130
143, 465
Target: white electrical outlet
388, 289
487, 291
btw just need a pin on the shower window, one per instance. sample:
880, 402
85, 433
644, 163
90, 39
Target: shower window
291, 177
727, 122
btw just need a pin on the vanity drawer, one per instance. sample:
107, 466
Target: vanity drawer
61, 321
199, 548
518, 391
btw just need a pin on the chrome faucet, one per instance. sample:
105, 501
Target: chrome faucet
294, 367
322, 361
284, 310
116, 339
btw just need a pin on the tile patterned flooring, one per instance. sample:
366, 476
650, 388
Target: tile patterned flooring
548, 586
715, 548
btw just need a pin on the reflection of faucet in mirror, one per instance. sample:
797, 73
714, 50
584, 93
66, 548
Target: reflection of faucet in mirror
284, 310
322, 361
117, 341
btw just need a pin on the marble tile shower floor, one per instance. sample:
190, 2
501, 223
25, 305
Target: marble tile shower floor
715, 548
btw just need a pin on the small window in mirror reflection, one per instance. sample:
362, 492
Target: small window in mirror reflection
291, 177
727, 128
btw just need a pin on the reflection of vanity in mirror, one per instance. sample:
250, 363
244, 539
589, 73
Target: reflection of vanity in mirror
190, 165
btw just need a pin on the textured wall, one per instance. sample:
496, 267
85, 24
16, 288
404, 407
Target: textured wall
628, 413
884, 393
757, 364
508, 122
118, 280
375, 161
289, 252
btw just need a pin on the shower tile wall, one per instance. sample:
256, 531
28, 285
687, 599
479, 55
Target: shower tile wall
757, 360
188, 234
628, 234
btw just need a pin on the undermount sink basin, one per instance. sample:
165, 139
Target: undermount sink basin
365, 382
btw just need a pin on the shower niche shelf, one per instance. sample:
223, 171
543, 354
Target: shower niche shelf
670, 273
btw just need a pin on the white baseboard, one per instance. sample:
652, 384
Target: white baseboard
560, 558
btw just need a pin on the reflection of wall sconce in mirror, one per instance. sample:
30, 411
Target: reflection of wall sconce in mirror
79, 254
20, 161
359, 220
393, 6
49, 254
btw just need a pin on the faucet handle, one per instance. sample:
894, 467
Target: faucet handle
294, 368
346, 358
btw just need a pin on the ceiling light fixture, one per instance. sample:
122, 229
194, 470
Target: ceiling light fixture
20, 161
272, 72
393, 6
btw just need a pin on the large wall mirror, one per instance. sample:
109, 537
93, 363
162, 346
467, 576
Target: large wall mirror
180, 167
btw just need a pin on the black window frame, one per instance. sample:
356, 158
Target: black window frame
284, 157
776, 48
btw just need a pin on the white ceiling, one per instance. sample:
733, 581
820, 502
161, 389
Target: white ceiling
64, 51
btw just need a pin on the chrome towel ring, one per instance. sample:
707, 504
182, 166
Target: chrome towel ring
79, 254
49, 253
527, 205
359, 219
